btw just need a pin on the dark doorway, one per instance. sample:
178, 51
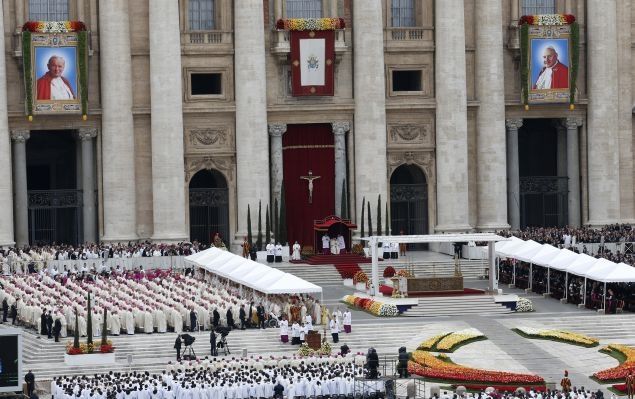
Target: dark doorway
543, 194
409, 202
55, 200
209, 207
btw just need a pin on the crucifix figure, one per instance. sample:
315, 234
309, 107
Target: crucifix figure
310, 179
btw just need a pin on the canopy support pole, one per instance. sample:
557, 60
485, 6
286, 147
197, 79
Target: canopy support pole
566, 286
375, 264
604, 299
548, 280
491, 260
531, 277
584, 295
514, 272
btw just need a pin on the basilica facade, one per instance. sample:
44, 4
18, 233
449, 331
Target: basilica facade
192, 120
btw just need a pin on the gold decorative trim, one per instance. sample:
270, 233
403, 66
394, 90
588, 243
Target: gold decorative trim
298, 147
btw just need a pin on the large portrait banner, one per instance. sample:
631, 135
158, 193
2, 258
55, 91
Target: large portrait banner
549, 59
55, 70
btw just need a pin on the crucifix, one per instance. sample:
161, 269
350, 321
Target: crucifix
310, 179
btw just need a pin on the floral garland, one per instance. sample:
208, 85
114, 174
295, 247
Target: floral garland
373, 307
548, 20
86, 348
455, 340
302, 24
53, 26
427, 365
625, 355
557, 335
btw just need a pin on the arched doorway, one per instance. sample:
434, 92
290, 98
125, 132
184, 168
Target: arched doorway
409, 202
209, 212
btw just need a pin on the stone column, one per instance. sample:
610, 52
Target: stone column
88, 183
490, 119
513, 174
6, 189
561, 148
168, 164
573, 171
21, 200
339, 135
370, 101
252, 163
276, 130
117, 130
451, 117
602, 113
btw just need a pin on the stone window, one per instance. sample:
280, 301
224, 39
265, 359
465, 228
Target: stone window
406, 80
534, 7
205, 84
403, 13
201, 15
304, 8
48, 10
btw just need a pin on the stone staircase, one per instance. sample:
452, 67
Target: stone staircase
456, 306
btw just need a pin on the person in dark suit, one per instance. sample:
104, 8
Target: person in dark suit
43, 323
230, 319
14, 312
278, 390
177, 346
260, 311
49, 325
215, 318
192, 320
5, 310
29, 378
212, 342
57, 329
242, 315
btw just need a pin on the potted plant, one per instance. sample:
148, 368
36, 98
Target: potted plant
360, 279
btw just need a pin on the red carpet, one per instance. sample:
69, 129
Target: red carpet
386, 290
348, 271
342, 259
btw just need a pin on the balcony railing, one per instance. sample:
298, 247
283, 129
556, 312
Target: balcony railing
206, 37
409, 35
281, 42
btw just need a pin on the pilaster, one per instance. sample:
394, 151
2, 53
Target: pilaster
513, 174
339, 133
21, 199
276, 130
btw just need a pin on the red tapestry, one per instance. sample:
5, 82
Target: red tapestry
312, 63
307, 148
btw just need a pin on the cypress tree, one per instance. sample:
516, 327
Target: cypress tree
104, 329
89, 323
76, 335
276, 221
249, 236
283, 216
387, 222
259, 239
363, 233
267, 227
370, 220
344, 202
379, 215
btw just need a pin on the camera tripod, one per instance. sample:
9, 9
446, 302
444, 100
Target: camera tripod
188, 353
222, 345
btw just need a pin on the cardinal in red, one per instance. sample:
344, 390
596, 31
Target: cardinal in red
554, 74
52, 85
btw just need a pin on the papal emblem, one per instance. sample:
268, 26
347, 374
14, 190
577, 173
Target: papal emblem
313, 62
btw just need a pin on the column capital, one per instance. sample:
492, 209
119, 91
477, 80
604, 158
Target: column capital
277, 129
340, 128
20, 135
513, 124
573, 123
87, 133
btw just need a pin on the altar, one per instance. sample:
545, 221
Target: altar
421, 285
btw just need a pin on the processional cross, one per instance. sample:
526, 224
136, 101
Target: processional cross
310, 179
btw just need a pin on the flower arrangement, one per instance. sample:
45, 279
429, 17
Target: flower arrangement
524, 305
404, 273
53, 26
86, 348
625, 355
360, 277
373, 307
357, 249
301, 24
547, 19
427, 365
389, 272
430, 343
557, 335
325, 349
453, 341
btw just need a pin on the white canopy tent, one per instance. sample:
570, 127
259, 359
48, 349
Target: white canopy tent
257, 276
542, 258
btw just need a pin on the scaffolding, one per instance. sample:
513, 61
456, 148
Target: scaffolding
389, 384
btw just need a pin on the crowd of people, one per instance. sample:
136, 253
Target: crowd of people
235, 378
559, 236
148, 302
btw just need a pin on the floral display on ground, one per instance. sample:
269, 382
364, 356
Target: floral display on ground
325, 349
86, 348
524, 305
451, 341
557, 335
301, 24
372, 306
427, 365
360, 277
404, 273
625, 355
